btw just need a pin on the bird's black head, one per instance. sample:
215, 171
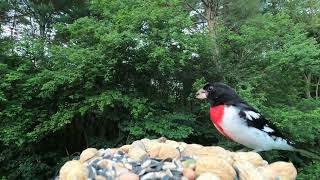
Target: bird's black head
218, 94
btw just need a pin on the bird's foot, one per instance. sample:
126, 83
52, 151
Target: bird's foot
257, 150
243, 150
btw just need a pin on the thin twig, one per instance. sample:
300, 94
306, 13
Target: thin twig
195, 10
204, 2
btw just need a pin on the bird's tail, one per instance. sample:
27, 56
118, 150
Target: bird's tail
307, 153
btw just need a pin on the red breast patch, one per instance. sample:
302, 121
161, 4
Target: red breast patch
216, 116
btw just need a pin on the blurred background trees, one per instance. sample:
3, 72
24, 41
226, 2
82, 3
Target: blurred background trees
103, 73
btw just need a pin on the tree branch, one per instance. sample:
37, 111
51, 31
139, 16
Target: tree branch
317, 88
196, 10
205, 3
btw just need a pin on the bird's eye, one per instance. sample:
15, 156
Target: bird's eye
210, 88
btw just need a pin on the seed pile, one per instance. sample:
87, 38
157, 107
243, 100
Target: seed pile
169, 160
114, 165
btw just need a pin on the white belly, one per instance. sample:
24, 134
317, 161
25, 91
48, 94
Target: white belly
250, 137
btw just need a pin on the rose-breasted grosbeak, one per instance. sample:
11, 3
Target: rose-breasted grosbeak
237, 120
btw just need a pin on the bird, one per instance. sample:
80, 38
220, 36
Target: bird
238, 121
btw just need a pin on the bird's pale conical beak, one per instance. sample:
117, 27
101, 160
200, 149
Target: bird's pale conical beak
201, 94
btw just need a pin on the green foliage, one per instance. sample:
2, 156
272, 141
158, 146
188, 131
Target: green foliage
246, 91
310, 172
274, 50
290, 118
172, 125
120, 70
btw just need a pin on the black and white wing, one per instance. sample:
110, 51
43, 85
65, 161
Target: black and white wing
255, 119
